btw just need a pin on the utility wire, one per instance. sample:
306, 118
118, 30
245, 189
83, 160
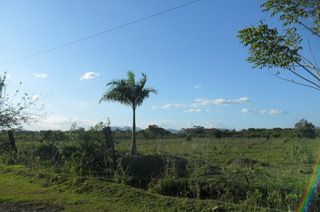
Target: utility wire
145, 18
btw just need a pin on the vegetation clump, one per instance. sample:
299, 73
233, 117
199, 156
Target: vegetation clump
305, 129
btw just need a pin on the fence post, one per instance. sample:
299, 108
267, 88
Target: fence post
109, 145
12, 140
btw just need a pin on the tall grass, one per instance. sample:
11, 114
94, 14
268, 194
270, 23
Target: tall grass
256, 172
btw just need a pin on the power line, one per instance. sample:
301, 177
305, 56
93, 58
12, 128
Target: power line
63, 45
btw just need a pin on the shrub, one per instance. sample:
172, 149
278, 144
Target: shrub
89, 159
201, 189
171, 186
176, 166
141, 169
47, 151
66, 152
305, 129
207, 170
188, 138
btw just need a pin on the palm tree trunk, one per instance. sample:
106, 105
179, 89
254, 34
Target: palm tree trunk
133, 144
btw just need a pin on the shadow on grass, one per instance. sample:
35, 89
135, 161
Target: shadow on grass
29, 206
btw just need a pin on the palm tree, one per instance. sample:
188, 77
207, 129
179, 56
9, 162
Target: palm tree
130, 93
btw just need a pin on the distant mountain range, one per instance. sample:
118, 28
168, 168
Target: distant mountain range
125, 128
173, 131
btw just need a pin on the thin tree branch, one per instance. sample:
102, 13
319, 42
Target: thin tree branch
310, 29
292, 81
295, 73
313, 57
305, 68
312, 67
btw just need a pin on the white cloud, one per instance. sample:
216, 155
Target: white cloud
246, 110
264, 111
36, 97
58, 122
261, 112
206, 124
276, 112
213, 124
173, 105
198, 104
172, 124
40, 75
198, 110
89, 75
213, 111
83, 105
206, 102
193, 110
197, 86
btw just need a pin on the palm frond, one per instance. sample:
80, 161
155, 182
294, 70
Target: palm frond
143, 80
128, 91
144, 94
131, 78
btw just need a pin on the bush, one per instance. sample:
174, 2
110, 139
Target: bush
176, 166
305, 129
47, 151
171, 186
207, 170
89, 159
66, 152
139, 171
201, 189
188, 138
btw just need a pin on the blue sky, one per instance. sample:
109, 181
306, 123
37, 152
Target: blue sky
192, 57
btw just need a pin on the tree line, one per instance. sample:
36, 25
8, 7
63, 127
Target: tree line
302, 129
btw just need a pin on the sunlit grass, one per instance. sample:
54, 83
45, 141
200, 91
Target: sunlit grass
277, 166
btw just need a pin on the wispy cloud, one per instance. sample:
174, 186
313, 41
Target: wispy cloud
36, 97
193, 110
198, 104
276, 112
214, 124
89, 75
213, 111
83, 105
61, 122
41, 75
206, 124
264, 111
173, 105
197, 86
246, 110
222, 101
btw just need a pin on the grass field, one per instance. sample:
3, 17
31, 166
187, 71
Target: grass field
23, 189
224, 174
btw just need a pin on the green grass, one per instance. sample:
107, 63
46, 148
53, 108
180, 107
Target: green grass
288, 163
284, 158
21, 185
281, 167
